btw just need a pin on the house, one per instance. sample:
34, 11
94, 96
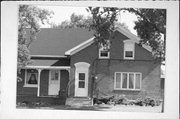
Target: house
69, 62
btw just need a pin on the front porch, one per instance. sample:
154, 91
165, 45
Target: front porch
49, 80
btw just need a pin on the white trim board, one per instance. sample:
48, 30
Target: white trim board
80, 47
54, 56
46, 67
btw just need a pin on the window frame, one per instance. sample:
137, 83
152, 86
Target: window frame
128, 42
101, 48
26, 76
131, 89
50, 75
103, 57
84, 81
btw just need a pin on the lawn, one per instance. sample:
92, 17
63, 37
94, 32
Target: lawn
101, 107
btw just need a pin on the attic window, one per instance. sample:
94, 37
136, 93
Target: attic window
128, 50
104, 52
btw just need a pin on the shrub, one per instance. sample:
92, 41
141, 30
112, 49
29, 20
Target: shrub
147, 101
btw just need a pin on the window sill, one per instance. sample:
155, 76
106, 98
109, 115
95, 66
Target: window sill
128, 89
103, 57
129, 58
30, 86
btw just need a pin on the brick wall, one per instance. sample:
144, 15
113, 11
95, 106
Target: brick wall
151, 85
64, 80
44, 82
21, 90
105, 68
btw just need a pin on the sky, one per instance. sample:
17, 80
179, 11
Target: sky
62, 13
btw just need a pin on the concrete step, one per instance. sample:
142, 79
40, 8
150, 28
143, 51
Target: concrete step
79, 101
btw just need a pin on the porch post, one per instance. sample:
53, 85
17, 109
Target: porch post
39, 76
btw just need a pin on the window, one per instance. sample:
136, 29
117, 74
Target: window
31, 78
54, 74
81, 80
104, 51
127, 81
128, 50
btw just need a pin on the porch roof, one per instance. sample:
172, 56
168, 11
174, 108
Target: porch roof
43, 62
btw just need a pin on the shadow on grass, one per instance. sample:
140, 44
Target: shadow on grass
66, 107
93, 108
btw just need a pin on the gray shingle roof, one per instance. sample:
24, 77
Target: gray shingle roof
51, 41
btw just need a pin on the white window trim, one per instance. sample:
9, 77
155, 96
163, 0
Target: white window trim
128, 57
103, 57
127, 81
29, 85
81, 67
133, 51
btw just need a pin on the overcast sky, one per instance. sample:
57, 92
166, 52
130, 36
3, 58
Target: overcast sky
62, 13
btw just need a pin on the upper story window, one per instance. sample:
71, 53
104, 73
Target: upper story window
31, 78
129, 49
104, 52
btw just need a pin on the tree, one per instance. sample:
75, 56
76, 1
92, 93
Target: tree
151, 28
75, 21
101, 22
30, 18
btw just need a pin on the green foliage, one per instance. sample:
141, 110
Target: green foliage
103, 20
30, 18
151, 28
75, 21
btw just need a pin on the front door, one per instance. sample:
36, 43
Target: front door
54, 82
81, 79
81, 84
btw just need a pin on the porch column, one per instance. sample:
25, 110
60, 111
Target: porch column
39, 76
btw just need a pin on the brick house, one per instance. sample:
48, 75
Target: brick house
67, 60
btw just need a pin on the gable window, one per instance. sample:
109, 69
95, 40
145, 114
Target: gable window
104, 52
31, 77
128, 50
127, 81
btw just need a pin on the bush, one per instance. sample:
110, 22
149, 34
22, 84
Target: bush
103, 100
147, 101
121, 99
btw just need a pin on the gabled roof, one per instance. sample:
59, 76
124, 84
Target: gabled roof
60, 42
131, 36
119, 28
51, 41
